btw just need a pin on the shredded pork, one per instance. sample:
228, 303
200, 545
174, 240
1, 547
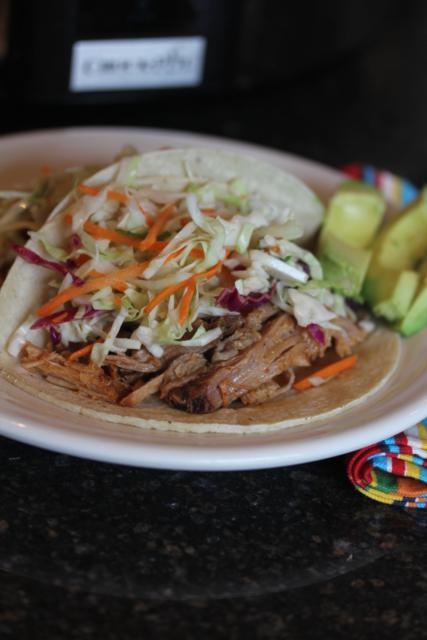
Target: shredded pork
253, 362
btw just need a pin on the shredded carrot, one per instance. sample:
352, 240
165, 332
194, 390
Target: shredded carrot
197, 253
96, 231
117, 301
109, 279
111, 195
81, 259
207, 212
148, 219
158, 246
84, 351
118, 286
90, 191
275, 248
68, 218
173, 255
184, 308
60, 318
327, 372
157, 227
120, 197
46, 170
168, 291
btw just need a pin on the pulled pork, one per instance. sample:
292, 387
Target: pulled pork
253, 361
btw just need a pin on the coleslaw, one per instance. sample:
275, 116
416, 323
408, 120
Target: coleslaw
144, 259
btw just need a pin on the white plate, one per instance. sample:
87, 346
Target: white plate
402, 403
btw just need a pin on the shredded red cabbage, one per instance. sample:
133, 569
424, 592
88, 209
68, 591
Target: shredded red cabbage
304, 266
49, 321
317, 333
33, 258
232, 300
75, 241
55, 335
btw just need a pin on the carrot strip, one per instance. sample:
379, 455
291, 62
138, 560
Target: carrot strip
173, 255
197, 253
84, 351
184, 308
90, 191
97, 231
148, 219
194, 253
109, 279
206, 212
118, 286
157, 227
68, 218
81, 259
327, 372
60, 318
168, 291
117, 301
209, 212
46, 170
158, 246
111, 195
120, 197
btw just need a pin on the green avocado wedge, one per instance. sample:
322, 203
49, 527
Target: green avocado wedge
400, 294
416, 318
352, 219
344, 267
354, 214
394, 276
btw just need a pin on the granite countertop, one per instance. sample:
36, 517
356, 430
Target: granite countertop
92, 550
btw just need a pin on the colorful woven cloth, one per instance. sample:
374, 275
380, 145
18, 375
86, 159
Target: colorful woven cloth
394, 471
397, 190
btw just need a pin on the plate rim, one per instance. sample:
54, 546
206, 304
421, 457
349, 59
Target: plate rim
200, 457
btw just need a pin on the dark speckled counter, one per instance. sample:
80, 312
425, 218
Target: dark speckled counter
102, 551
97, 551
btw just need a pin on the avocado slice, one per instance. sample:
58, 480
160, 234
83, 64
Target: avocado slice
344, 267
351, 222
416, 318
398, 302
354, 214
393, 276
402, 244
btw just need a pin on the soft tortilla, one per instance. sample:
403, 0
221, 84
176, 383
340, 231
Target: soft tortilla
25, 287
378, 358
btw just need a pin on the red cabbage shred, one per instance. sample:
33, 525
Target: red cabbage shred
232, 300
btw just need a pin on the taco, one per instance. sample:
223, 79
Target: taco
167, 291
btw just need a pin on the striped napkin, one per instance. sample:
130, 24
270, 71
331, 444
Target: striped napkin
395, 470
